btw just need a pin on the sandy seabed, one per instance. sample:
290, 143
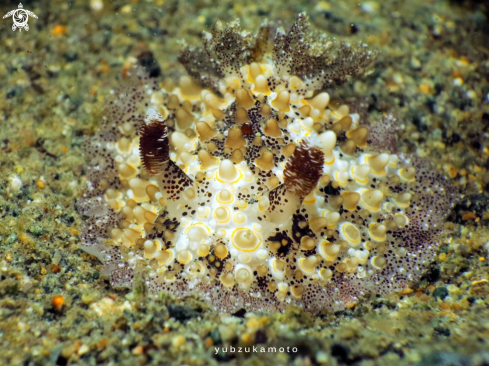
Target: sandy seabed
56, 309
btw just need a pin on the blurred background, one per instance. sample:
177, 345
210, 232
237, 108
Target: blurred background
432, 71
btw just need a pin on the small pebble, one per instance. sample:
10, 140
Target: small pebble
440, 292
57, 301
83, 349
96, 5
370, 6
15, 184
178, 341
126, 9
415, 63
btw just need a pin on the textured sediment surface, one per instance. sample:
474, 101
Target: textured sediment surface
55, 306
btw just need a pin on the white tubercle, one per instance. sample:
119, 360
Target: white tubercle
197, 233
320, 101
327, 142
227, 171
181, 141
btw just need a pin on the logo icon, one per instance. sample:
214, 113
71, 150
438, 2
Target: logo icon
20, 17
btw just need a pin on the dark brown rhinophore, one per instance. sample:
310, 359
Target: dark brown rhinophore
154, 147
303, 169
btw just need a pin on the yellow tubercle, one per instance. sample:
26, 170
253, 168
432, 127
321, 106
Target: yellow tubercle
228, 173
245, 240
222, 214
203, 250
224, 197
239, 218
242, 204
351, 233
203, 212
378, 262
297, 291
165, 257
282, 101
360, 173
329, 251
221, 251
227, 279
377, 232
184, 257
407, 174
341, 177
403, 199
371, 199
202, 231
308, 265
310, 198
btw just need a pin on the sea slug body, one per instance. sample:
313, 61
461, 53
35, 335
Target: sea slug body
250, 187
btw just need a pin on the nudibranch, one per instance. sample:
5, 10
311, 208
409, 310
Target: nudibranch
248, 186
